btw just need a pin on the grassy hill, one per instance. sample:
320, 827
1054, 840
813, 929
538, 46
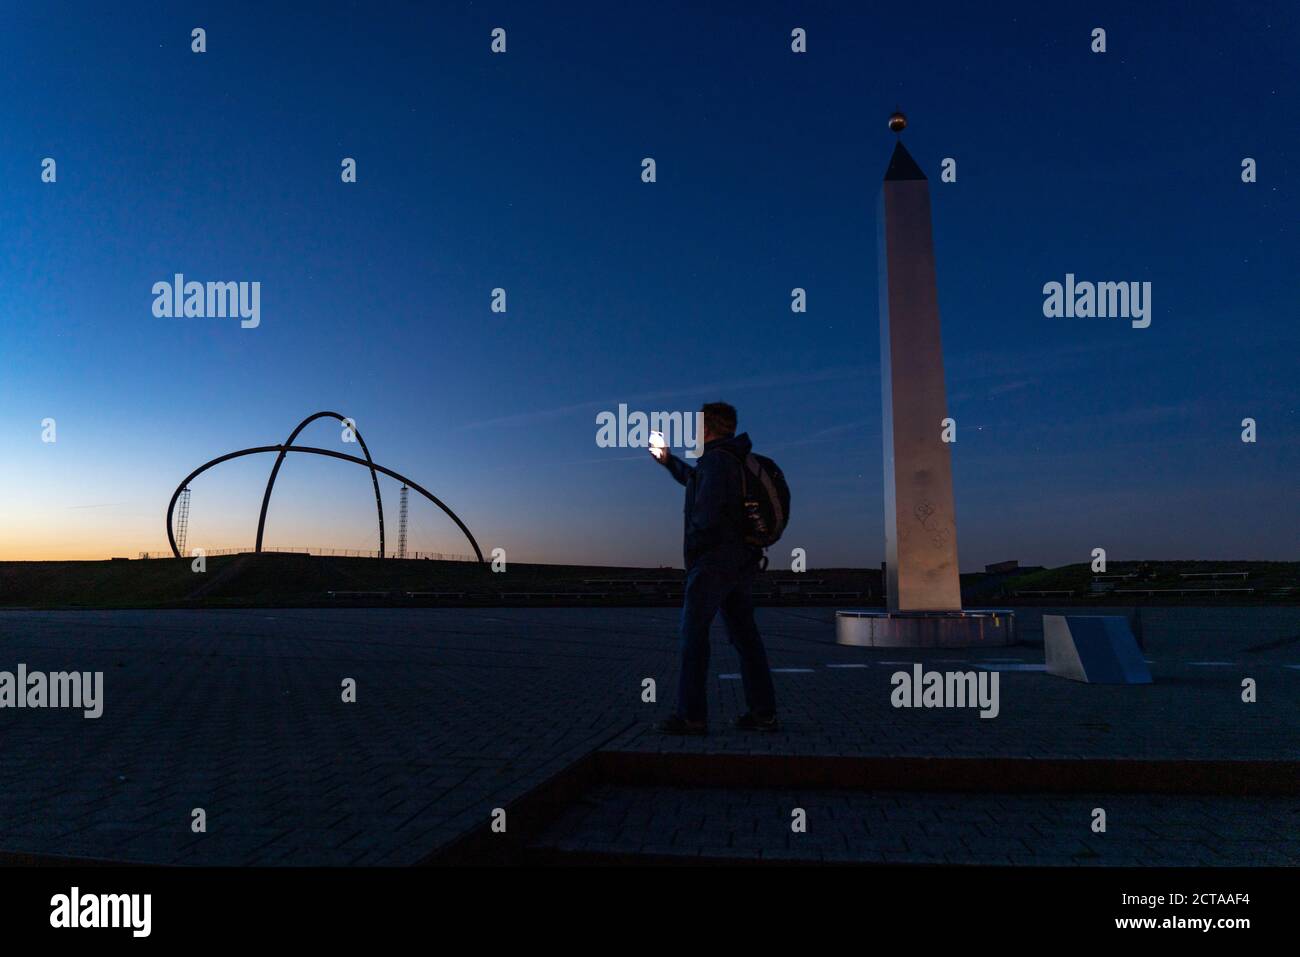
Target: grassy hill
277, 579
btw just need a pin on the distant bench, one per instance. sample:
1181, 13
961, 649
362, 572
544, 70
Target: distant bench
556, 594
393, 594
1180, 591
643, 586
631, 581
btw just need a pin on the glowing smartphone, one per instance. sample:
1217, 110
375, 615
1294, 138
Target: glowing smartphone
658, 447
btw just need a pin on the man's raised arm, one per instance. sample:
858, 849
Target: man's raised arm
679, 469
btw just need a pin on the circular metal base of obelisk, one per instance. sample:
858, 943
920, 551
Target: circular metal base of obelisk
987, 628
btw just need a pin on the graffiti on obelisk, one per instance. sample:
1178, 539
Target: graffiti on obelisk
920, 523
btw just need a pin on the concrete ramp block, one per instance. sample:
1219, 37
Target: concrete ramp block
1098, 649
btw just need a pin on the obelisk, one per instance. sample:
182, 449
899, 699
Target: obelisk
923, 590
920, 521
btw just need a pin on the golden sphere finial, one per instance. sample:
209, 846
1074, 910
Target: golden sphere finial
898, 122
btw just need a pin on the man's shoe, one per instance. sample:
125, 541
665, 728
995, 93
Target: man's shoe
679, 725
752, 722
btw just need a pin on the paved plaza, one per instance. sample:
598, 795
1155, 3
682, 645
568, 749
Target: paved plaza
677, 824
458, 712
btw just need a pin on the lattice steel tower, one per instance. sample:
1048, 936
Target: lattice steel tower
183, 519
401, 524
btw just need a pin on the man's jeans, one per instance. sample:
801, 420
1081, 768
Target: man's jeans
711, 588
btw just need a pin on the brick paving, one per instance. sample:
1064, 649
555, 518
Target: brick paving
1192, 711
928, 828
240, 713
461, 711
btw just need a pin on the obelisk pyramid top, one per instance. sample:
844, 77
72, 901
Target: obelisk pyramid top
902, 166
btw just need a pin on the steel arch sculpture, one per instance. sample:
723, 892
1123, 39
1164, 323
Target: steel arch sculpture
279, 460
283, 450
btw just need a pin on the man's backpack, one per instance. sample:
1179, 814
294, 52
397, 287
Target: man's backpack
767, 500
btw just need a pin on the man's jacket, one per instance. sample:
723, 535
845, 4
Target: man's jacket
715, 507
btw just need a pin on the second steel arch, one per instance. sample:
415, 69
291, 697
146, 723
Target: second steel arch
279, 460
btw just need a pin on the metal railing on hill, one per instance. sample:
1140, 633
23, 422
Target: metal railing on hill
326, 552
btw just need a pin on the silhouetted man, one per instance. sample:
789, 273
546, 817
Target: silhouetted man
720, 569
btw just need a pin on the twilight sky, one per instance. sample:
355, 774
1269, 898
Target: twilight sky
523, 171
